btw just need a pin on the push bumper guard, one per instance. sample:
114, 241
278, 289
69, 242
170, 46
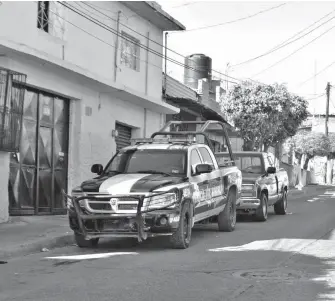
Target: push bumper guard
249, 203
140, 231
249, 199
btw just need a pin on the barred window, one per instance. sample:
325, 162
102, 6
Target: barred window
51, 18
43, 15
12, 89
130, 51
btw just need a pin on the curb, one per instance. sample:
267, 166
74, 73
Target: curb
37, 246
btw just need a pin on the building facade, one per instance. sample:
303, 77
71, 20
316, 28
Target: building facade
93, 74
198, 106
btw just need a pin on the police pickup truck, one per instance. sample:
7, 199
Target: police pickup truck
157, 186
263, 184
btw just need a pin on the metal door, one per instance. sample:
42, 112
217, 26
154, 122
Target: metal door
124, 136
22, 174
39, 171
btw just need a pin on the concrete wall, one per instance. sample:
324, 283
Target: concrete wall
71, 44
319, 124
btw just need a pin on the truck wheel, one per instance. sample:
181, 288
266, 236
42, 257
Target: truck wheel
182, 237
83, 243
262, 210
227, 218
281, 206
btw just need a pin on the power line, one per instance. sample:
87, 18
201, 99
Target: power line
324, 69
94, 36
155, 42
106, 27
103, 41
294, 52
316, 97
96, 8
288, 41
185, 4
101, 24
95, 14
236, 20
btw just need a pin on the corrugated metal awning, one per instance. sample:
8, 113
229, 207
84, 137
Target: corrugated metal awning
195, 106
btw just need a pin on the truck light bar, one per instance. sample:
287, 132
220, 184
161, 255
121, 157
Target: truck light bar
163, 140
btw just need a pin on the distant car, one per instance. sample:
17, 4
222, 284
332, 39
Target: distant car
156, 187
263, 185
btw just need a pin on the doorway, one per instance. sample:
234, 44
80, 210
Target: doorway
38, 173
124, 136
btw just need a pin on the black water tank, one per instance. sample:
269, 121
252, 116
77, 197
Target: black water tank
197, 66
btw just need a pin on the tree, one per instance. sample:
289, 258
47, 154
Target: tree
265, 115
314, 144
311, 144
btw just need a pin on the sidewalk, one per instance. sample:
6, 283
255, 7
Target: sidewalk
30, 234
309, 189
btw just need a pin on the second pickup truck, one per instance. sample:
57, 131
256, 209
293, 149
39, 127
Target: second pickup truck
262, 184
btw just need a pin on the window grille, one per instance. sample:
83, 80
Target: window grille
43, 15
12, 89
130, 52
50, 18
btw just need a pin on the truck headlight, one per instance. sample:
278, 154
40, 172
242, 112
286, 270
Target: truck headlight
76, 194
161, 201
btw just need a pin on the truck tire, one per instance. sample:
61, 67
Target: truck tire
181, 238
262, 210
227, 218
281, 206
83, 243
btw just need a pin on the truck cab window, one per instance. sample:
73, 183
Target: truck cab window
206, 155
194, 159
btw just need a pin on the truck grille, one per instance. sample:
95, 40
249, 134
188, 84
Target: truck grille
128, 207
100, 206
103, 205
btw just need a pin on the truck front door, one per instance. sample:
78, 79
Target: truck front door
271, 181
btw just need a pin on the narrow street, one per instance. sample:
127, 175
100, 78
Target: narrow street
284, 258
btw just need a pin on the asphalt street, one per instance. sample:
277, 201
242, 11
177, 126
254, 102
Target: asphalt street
289, 257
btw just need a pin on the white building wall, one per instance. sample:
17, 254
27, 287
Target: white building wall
83, 49
46, 59
91, 138
94, 133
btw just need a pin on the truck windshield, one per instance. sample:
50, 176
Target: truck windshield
171, 162
246, 163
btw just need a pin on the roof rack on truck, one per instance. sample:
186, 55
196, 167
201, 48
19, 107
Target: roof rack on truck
204, 125
200, 130
187, 140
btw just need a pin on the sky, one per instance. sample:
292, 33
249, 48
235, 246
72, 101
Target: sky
243, 40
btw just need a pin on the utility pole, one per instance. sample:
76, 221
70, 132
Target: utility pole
327, 108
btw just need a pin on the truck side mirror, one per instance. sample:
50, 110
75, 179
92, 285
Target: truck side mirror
97, 169
271, 170
203, 168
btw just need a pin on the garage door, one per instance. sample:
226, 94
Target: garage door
124, 136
